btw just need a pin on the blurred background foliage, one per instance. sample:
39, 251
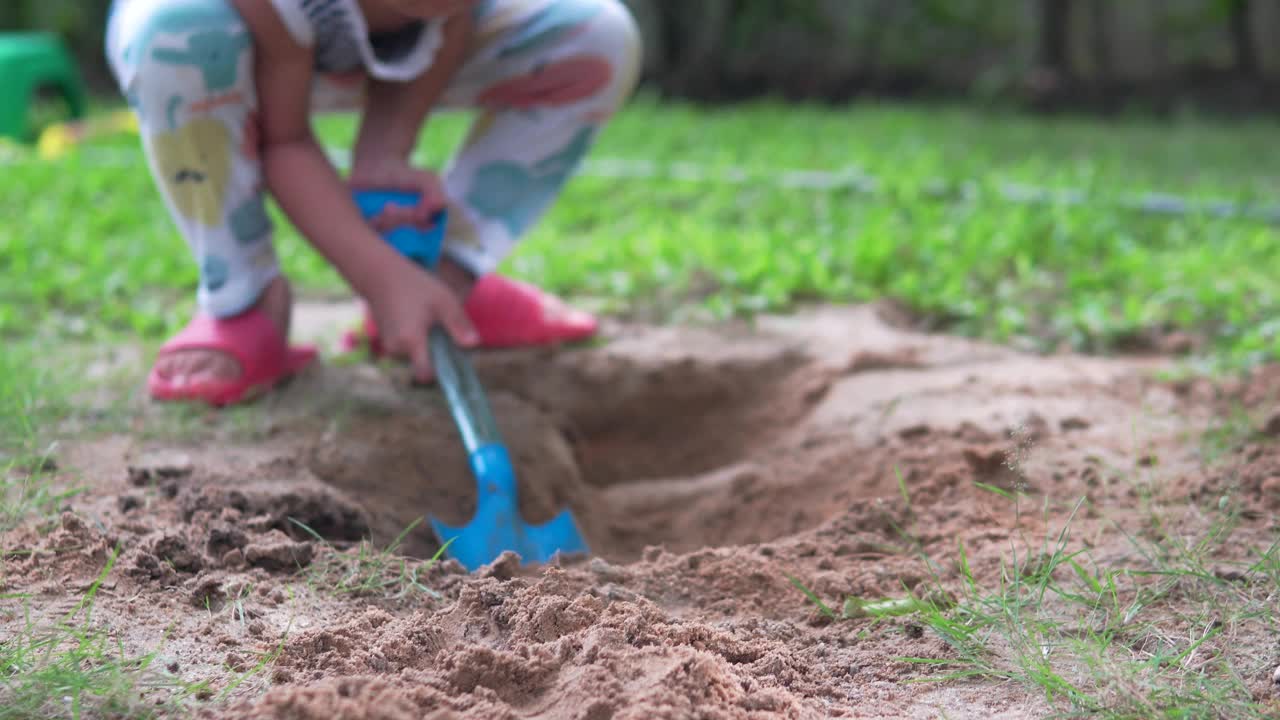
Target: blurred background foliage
1109, 55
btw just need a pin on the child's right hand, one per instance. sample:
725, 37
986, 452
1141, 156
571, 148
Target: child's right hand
407, 305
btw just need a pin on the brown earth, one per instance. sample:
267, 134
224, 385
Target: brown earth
707, 466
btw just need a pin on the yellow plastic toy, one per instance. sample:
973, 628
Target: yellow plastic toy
59, 139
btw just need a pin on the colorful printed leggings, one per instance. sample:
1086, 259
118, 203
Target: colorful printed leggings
544, 76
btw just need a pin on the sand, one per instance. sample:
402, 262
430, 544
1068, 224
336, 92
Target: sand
709, 467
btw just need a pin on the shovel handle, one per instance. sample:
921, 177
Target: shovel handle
467, 401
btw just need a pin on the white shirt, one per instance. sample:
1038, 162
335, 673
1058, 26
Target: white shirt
338, 34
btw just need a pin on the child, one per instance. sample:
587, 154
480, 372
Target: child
224, 89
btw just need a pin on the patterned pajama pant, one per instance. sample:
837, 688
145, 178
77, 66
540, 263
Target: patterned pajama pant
544, 77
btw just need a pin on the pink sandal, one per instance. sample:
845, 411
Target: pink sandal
508, 314
252, 339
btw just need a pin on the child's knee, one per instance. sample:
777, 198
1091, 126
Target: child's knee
596, 55
199, 43
615, 32
616, 35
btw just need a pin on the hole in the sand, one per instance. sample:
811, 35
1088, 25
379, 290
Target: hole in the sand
657, 451
277, 505
599, 711
681, 419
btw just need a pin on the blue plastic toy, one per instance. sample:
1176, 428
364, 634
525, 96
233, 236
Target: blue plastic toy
497, 525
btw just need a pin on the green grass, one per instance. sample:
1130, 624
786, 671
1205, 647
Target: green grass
31, 393
367, 571
33, 396
72, 668
95, 254
1178, 629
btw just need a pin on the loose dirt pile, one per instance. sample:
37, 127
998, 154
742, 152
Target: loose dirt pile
708, 467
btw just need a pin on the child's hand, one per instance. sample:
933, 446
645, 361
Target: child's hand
399, 175
407, 305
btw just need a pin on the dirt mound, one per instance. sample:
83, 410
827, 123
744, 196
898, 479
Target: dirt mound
1246, 434
555, 647
720, 475
579, 644
48, 560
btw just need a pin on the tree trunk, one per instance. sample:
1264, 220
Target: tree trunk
672, 32
873, 41
15, 15
693, 36
1055, 37
1160, 76
1101, 42
701, 72
1242, 38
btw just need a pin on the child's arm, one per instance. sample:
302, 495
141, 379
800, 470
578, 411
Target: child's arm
315, 198
395, 113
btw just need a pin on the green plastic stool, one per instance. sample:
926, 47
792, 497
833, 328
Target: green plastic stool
30, 62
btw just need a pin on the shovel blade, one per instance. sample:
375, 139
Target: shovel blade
560, 535
497, 525
482, 541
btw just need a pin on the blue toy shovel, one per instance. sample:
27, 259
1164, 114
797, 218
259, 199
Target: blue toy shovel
497, 525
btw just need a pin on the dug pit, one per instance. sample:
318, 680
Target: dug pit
666, 448
688, 439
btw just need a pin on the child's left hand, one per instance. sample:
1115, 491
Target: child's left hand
400, 175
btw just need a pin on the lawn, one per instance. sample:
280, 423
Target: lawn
720, 210
686, 213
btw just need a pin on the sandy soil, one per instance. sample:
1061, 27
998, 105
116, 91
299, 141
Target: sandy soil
707, 467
